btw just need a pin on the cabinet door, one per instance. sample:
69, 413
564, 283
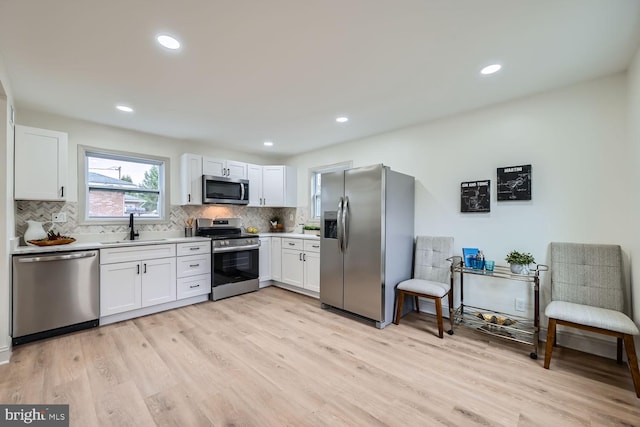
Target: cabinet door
292, 267
158, 281
215, 167
273, 185
236, 169
265, 259
40, 164
312, 271
276, 258
254, 174
119, 287
191, 179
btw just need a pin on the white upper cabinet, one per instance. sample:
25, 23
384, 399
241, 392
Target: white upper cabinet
254, 174
225, 168
190, 179
272, 186
40, 164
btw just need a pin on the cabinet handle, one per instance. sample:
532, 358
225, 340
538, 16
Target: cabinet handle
315, 246
145, 268
62, 191
194, 265
300, 257
195, 286
291, 244
194, 249
138, 269
189, 198
304, 257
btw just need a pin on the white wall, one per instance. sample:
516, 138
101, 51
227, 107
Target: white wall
574, 138
6, 212
101, 136
634, 160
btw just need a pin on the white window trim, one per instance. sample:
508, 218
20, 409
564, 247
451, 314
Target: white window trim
165, 196
335, 167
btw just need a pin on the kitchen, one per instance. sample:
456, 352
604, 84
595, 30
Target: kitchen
547, 129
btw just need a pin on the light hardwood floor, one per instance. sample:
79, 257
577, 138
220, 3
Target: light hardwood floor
275, 358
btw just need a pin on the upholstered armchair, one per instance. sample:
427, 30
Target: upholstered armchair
587, 292
432, 277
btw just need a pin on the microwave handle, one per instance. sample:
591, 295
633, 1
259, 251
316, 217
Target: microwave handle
241, 191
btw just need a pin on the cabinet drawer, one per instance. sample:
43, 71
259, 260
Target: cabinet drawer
136, 253
193, 265
193, 248
292, 244
194, 286
312, 245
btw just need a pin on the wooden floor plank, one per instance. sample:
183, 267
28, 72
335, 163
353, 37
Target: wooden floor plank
274, 358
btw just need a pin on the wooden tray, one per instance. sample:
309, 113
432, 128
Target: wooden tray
52, 242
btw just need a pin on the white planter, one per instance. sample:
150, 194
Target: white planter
519, 268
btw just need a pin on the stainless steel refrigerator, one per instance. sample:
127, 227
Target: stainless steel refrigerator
366, 240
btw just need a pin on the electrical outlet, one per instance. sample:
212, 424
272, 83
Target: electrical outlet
290, 217
520, 304
59, 217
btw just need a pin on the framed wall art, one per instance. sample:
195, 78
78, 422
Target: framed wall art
475, 196
514, 183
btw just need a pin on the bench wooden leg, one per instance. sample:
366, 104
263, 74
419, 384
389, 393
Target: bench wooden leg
633, 362
417, 302
619, 351
400, 297
551, 336
439, 316
451, 311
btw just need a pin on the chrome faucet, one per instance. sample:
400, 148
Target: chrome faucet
132, 233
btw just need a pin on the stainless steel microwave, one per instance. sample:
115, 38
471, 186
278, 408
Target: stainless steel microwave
230, 191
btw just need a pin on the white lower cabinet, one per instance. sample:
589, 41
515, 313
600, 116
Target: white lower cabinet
135, 277
193, 269
301, 263
265, 261
276, 258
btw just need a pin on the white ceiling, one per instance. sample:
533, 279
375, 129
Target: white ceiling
282, 70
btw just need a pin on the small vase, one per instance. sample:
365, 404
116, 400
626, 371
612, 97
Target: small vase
519, 268
36, 231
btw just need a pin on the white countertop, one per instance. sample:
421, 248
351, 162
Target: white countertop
291, 235
78, 246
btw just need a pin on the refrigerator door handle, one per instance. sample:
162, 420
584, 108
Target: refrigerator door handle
345, 224
339, 221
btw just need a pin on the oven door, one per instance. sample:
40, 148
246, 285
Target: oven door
237, 265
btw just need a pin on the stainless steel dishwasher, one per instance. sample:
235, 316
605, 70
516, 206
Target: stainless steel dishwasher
54, 293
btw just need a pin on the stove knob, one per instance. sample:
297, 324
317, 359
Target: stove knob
226, 242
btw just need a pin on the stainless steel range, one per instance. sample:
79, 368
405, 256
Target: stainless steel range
234, 259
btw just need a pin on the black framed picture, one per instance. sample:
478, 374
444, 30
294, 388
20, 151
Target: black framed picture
475, 196
514, 183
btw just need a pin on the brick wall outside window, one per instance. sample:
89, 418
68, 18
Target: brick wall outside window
106, 203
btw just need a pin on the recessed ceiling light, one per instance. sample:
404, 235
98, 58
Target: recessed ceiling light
124, 108
268, 144
490, 69
342, 119
168, 41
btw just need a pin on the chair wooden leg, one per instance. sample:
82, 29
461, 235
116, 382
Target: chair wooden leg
439, 316
451, 311
551, 337
400, 297
417, 302
633, 362
619, 352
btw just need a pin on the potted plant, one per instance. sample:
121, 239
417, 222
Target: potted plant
311, 229
519, 261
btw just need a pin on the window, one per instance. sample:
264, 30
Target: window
316, 185
117, 185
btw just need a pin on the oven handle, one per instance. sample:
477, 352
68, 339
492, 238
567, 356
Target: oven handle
236, 248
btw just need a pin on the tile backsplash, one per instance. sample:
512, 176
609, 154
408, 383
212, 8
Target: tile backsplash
251, 217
